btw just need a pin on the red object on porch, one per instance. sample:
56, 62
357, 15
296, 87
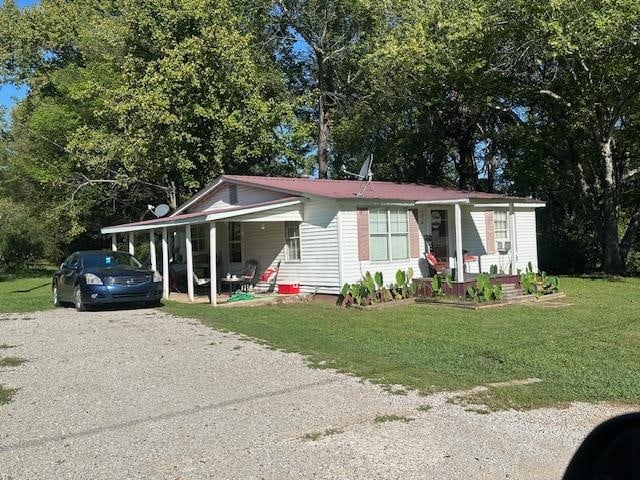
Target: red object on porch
288, 288
266, 275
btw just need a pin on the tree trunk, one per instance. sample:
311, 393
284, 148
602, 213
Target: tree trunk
323, 137
612, 262
467, 171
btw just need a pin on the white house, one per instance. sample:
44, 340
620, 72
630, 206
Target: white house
323, 233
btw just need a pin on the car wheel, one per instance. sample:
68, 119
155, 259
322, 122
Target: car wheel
54, 295
153, 304
77, 300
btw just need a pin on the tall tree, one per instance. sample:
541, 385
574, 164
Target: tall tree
320, 43
577, 64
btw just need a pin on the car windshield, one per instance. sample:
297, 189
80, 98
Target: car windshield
105, 260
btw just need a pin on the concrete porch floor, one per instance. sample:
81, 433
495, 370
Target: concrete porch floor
262, 298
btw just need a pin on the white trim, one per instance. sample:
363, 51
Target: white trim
442, 202
189, 255
202, 218
459, 252
213, 274
165, 264
152, 249
339, 233
202, 193
506, 205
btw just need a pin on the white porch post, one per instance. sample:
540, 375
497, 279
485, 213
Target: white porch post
459, 253
152, 249
165, 264
132, 249
512, 239
114, 242
213, 274
189, 253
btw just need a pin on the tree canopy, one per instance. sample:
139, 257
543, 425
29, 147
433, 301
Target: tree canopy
135, 102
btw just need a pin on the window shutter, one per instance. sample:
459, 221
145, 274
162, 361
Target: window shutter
490, 232
414, 234
363, 233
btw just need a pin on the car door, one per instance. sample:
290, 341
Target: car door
68, 277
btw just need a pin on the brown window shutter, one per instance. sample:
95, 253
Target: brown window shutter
363, 233
490, 232
414, 234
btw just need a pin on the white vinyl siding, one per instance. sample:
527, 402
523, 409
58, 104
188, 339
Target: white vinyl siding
526, 240
224, 196
318, 267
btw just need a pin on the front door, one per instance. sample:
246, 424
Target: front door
439, 234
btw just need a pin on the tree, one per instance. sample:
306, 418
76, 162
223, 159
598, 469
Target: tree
577, 65
320, 43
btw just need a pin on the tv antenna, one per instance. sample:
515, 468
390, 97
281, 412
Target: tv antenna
159, 210
365, 174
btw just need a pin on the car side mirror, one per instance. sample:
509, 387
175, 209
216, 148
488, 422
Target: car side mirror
609, 451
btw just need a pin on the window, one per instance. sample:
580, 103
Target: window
292, 241
235, 243
500, 225
388, 234
198, 235
233, 194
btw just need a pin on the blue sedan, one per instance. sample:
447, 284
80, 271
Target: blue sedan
104, 277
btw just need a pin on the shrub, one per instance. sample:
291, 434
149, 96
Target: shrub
21, 241
538, 284
371, 289
484, 291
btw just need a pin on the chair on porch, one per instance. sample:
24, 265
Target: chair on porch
249, 273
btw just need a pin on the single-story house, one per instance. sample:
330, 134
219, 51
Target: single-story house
324, 233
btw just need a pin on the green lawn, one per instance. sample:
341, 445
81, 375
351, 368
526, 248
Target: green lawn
25, 293
589, 351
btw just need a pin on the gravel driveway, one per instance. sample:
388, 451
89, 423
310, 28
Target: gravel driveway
143, 395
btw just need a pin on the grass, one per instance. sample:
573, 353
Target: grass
391, 418
587, 352
11, 361
26, 292
315, 436
6, 394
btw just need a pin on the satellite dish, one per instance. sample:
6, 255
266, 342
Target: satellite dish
160, 210
365, 171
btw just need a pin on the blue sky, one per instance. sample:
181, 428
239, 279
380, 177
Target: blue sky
9, 93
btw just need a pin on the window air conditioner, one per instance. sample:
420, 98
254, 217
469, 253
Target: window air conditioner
503, 246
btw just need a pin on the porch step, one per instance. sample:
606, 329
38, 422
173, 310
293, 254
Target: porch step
520, 299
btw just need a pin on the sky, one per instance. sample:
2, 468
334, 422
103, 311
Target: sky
10, 93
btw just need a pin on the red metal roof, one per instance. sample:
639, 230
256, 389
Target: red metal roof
183, 216
351, 189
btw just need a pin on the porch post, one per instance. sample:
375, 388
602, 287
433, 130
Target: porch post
165, 264
152, 248
213, 274
131, 247
512, 238
189, 253
114, 242
459, 253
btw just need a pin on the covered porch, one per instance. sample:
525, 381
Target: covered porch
464, 238
197, 252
